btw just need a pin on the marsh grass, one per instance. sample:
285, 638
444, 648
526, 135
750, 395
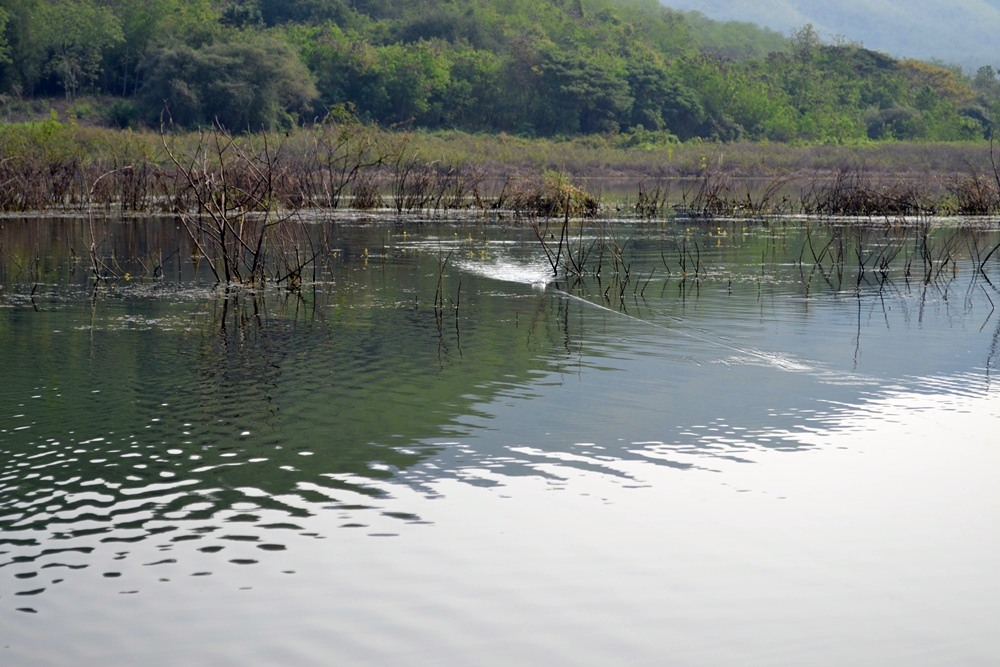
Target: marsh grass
340, 162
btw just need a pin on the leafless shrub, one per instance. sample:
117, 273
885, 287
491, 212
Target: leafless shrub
711, 196
412, 184
854, 192
766, 200
236, 224
337, 152
974, 195
366, 195
458, 187
33, 183
651, 200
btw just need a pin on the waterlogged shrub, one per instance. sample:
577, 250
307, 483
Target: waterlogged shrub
51, 164
856, 191
551, 194
974, 195
40, 165
366, 194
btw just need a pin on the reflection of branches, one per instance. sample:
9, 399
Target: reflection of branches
992, 308
439, 291
100, 269
439, 303
7, 255
994, 347
882, 256
857, 340
241, 314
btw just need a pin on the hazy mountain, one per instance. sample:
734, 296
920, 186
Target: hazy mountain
962, 32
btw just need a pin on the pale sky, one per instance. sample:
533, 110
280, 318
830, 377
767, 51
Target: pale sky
954, 31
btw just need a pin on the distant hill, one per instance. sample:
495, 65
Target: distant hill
633, 71
962, 32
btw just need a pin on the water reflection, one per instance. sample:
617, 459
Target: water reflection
165, 431
212, 428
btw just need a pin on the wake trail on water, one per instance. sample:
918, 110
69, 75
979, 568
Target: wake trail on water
769, 359
539, 275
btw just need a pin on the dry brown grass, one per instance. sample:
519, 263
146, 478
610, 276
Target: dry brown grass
50, 165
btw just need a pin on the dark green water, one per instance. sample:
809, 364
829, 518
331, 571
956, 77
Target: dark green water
761, 462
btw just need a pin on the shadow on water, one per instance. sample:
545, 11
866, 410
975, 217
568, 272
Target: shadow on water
166, 417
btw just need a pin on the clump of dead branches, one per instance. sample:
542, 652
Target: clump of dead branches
230, 209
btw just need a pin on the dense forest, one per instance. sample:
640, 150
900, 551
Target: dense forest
540, 68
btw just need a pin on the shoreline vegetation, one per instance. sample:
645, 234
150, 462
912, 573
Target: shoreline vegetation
536, 108
343, 163
243, 200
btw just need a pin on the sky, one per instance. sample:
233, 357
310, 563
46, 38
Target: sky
961, 32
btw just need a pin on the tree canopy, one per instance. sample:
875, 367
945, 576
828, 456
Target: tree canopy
531, 67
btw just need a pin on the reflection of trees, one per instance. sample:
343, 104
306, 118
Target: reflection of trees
223, 413
53, 250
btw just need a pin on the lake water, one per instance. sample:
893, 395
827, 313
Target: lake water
745, 452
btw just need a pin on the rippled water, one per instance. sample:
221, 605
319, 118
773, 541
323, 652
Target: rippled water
751, 464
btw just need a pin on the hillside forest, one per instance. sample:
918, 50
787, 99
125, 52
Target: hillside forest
536, 68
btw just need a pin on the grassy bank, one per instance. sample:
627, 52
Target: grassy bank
628, 156
54, 164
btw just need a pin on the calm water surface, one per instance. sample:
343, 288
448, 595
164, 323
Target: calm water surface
761, 462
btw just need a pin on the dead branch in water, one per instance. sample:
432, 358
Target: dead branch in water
236, 224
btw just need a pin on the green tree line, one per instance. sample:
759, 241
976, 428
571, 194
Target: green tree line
527, 67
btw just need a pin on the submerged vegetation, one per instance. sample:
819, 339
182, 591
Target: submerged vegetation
238, 116
241, 206
618, 262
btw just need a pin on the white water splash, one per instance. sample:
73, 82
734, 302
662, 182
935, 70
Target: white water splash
537, 275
